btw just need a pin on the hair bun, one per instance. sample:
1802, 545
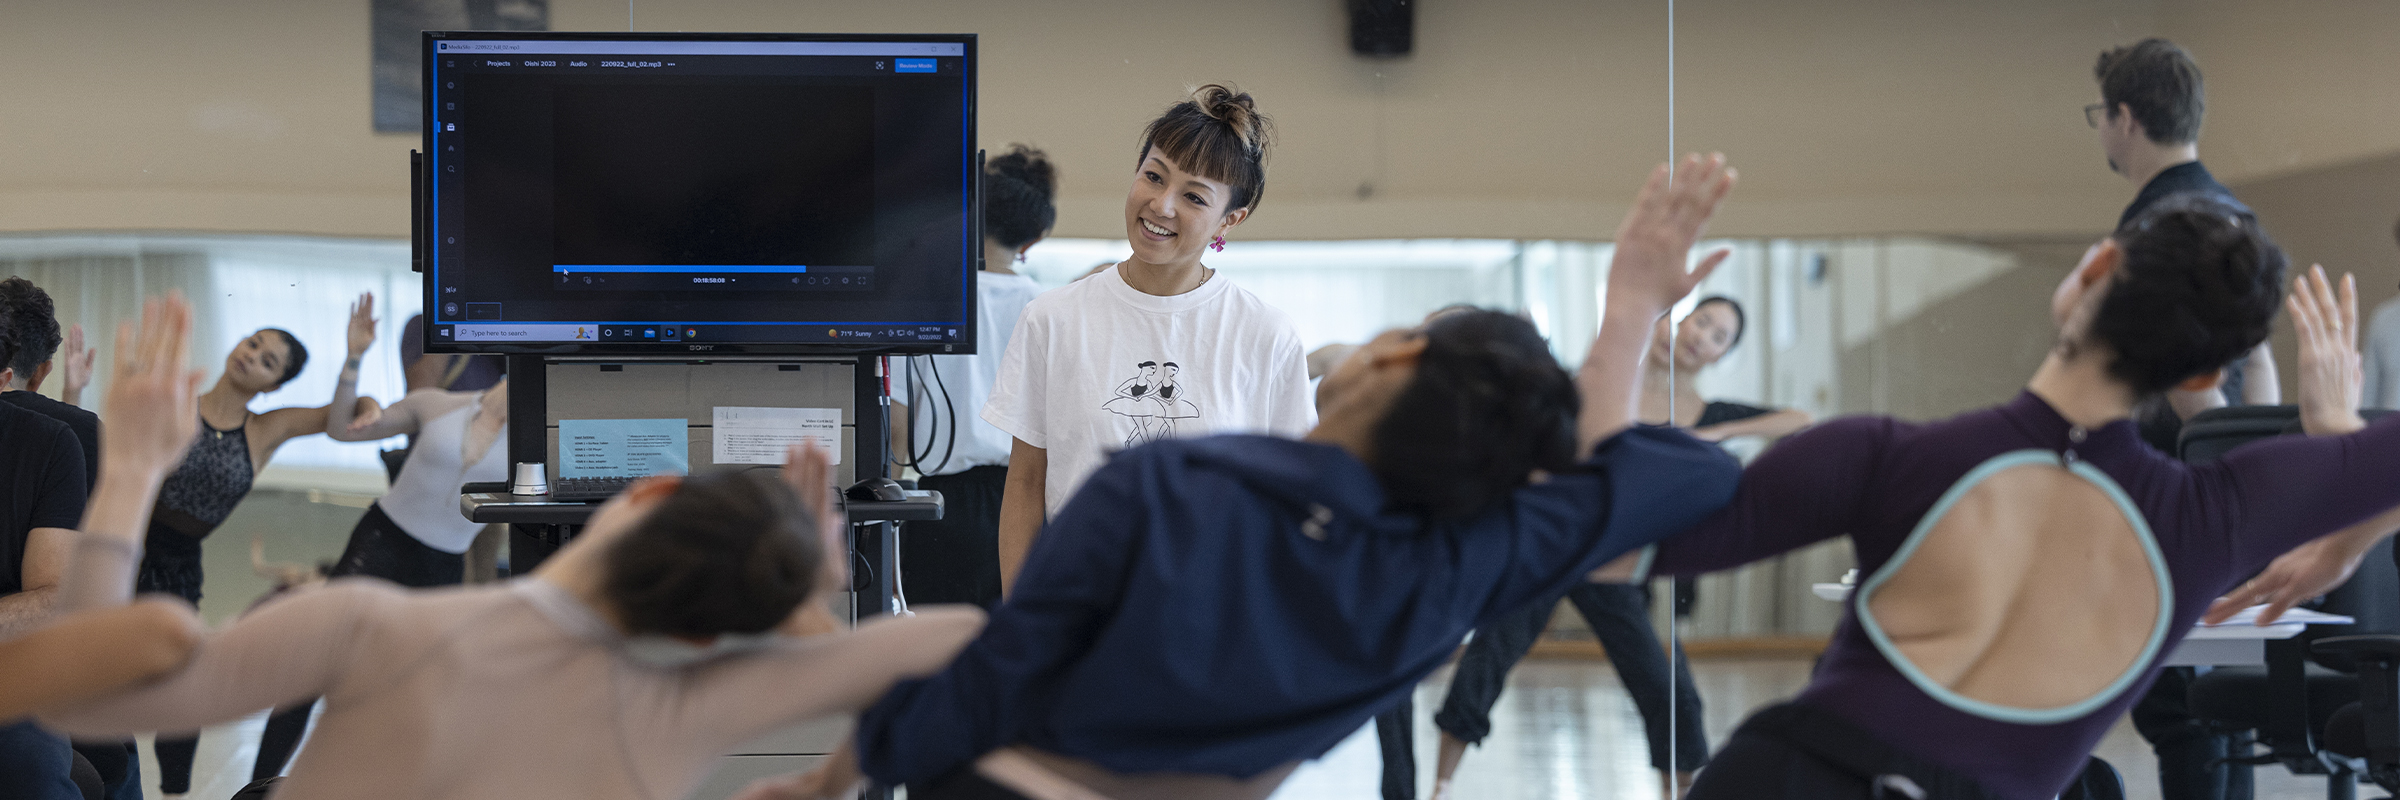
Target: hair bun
1236, 110
1028, 166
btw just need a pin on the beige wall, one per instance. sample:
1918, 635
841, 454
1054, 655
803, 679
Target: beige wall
1516, 118
2340, 216
2293, 87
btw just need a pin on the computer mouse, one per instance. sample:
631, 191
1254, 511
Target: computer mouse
877, 488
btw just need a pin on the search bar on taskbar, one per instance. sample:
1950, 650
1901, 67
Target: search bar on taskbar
525, 332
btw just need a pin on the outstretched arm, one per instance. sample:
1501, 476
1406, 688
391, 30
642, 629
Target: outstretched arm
1071, 586
1770, 425
89, 654
1649, 272
1807, 489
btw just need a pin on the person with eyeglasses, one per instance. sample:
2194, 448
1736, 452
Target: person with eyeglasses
2152, 101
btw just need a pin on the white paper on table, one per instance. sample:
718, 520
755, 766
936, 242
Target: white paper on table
759, 434
2249, 616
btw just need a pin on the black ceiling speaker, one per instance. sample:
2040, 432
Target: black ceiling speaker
1382, 28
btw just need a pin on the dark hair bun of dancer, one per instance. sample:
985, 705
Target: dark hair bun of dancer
1488, 406
2198, 287
1018, 191
1218, 134
728, 552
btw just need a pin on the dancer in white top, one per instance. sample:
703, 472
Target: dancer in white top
413, 535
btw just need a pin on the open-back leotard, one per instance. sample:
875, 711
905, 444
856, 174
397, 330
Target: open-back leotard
1883, 482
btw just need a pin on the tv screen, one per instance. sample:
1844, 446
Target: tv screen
674, 194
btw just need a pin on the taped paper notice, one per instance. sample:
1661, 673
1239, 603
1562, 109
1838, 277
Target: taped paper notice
759, 435
623, 448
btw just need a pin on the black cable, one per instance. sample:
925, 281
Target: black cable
915, 459
949, 437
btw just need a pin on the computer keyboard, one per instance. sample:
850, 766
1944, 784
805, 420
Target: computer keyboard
575, 489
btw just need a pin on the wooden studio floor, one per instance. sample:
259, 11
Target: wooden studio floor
1565, 729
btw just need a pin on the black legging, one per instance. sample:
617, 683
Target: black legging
1797, 752
1620, 617
964, 784
171, 565
378, 548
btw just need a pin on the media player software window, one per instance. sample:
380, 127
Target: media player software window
634, 192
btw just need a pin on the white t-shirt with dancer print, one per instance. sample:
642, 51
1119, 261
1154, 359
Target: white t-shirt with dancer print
1097, 366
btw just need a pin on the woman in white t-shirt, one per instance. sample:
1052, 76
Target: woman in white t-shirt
956, 559
1158, 345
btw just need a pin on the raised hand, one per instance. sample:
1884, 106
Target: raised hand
1650, 271
810, 474
153, 408
1648, 274
362, 324
2331, 372
76, 366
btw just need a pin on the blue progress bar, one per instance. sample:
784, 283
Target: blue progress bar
734, 268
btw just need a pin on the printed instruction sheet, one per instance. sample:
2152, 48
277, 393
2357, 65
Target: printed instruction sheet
758, 435
611, 448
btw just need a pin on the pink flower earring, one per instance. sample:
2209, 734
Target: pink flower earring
1217, 243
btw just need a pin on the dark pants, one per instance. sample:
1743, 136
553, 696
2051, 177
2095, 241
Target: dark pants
1793, 751
1396, 736
171, 564
963, 784
378, 548
119, 766
175, 761
2190, 753
1620, 617
35, 765
956, 559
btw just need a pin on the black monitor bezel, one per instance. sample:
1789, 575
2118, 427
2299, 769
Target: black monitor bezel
967, 342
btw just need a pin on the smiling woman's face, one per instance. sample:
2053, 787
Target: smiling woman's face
1170, 214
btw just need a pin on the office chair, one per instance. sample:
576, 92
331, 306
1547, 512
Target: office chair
2291, 701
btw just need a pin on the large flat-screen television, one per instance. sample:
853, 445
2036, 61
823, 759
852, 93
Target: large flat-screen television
682, 194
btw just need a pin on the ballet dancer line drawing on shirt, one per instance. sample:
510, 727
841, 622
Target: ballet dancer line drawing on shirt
1128, 402
1173, 403
1153, 400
